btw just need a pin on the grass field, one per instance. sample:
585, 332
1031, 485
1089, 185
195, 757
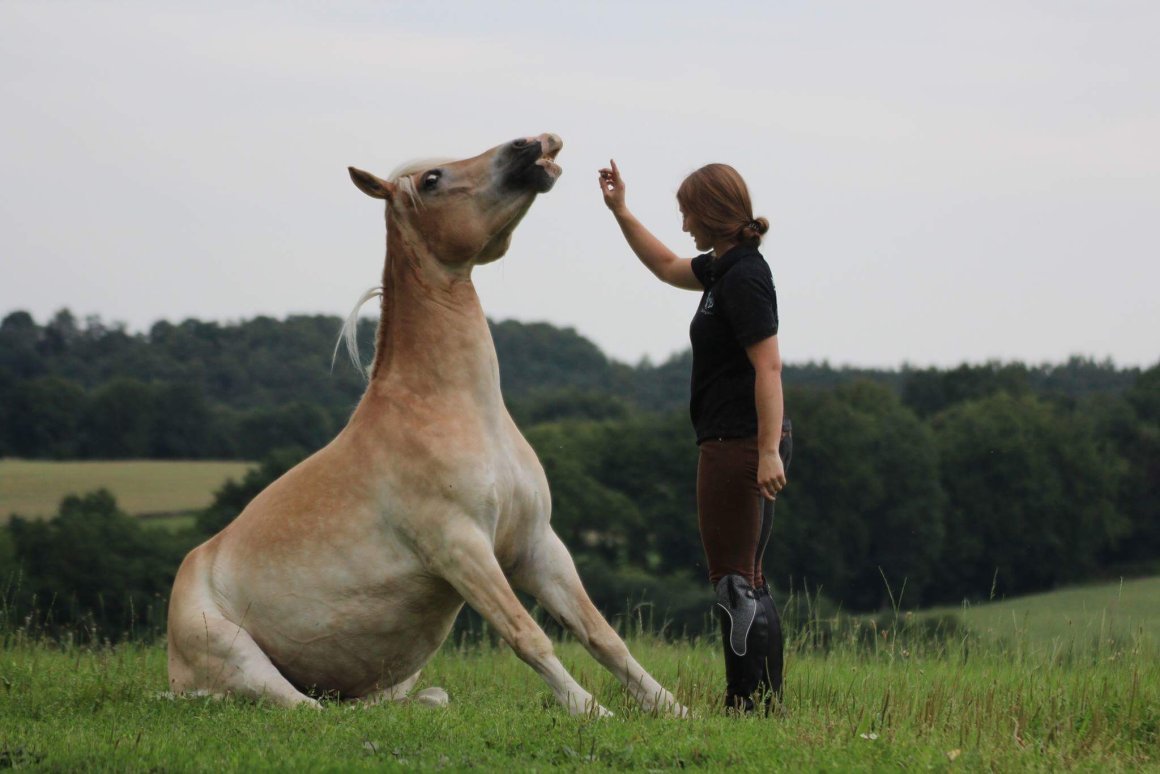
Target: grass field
35, 488
1117, 610
941, 709
984, 701
1068, 680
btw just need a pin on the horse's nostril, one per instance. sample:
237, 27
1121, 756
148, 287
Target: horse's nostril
523, 142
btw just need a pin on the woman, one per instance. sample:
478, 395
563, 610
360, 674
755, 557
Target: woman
736, 407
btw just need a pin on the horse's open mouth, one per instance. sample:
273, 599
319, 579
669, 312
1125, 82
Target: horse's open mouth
547, 177
551, 145
548, 162
550, 170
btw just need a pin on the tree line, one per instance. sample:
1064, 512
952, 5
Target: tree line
934, 484
209, 390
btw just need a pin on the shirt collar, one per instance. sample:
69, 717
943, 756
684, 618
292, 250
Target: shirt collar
718, 266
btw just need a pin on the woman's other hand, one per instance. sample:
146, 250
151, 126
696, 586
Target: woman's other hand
612, 186
770, 475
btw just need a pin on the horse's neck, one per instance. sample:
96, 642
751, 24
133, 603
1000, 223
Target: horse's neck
433, 337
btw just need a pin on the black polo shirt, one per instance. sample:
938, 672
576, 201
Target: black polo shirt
737, 309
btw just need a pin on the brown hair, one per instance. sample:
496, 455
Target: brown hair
717, 197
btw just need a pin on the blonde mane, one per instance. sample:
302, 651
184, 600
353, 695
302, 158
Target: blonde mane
401, 178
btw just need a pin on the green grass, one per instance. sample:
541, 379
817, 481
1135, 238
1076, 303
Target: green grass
35, 488
1110, 610
973, 703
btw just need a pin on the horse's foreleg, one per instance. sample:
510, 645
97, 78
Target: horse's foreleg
550, 576
466, 561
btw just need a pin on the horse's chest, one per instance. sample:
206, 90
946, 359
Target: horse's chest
492, 480
523, 503
521, 487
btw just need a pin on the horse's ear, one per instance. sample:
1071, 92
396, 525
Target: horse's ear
371, 185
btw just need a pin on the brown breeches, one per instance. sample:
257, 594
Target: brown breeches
735, 520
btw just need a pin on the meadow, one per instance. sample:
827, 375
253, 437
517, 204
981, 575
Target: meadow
857, 699
34, 488
1068, 680
1116, 609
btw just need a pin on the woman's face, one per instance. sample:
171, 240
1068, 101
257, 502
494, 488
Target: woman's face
691, 226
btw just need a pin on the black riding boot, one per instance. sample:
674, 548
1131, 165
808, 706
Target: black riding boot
745, 632
773, 657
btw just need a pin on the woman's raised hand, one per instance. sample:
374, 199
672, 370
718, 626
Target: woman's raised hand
612, 186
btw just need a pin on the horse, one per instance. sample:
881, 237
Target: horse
344, 576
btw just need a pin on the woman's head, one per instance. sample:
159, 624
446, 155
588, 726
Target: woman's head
716, 199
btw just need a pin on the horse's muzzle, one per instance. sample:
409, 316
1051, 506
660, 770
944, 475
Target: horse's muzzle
529, 163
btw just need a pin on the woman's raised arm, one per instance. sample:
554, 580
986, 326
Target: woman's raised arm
657, 258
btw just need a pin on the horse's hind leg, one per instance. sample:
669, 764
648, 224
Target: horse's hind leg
431, 697
220, 658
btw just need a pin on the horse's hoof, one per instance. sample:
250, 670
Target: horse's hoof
432, 697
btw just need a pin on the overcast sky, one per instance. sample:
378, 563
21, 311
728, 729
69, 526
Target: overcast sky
947, 182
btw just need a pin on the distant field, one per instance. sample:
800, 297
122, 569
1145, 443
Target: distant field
1083, 613
35, 488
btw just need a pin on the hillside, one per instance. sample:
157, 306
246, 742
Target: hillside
34, 488
1085, 614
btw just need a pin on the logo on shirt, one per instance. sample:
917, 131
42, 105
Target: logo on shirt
707, 308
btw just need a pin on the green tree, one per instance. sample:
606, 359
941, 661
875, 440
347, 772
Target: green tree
652, 460
587, 515
541, 406
94, 563
302, 425
8, 566
42, 417
929, 391
19, 340
538, 356
119, 420
1133, 428
625, 489
863, 499
60, 334
1031, 498
1080, 377
182, 423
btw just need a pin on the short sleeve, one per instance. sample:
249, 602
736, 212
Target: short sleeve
701, 270
752, 305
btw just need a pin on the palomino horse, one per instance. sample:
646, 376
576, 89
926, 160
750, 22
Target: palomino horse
346, 574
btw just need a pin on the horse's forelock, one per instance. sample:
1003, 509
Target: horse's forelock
409, 168
401, 175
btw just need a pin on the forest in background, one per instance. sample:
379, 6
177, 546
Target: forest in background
934, 484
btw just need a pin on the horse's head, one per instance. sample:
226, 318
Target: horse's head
464, 212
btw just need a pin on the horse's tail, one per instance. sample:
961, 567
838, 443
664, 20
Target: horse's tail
349, 334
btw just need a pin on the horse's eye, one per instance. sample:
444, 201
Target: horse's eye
431, 179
